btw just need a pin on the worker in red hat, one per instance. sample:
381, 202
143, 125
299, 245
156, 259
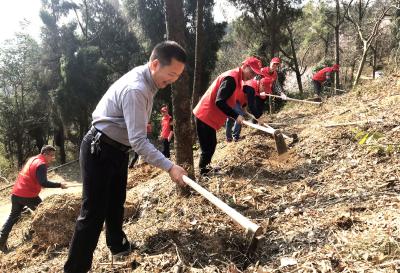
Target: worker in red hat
269, 83
255, 94
217, 104
166, 131
323, 76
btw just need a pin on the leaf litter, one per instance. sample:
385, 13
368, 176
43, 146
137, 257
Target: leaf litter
331, 204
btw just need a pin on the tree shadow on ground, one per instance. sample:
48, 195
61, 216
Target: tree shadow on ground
198, 249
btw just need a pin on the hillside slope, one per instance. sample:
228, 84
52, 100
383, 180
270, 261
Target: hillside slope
331, 204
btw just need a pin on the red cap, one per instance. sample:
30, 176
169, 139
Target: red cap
276, 60
164, 109
254, 63
336, 67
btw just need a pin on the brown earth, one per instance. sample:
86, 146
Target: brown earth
331, 204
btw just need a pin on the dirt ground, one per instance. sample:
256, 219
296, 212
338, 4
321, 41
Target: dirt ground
331, 204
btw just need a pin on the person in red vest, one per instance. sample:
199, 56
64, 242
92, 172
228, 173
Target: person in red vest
25, 192
254, 96
322, 76
166, 131
217, 104
269, 84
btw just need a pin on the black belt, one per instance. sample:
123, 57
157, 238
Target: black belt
115, 144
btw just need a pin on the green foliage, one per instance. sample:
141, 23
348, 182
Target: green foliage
370, 139
149, 17
365, 137
262, 24
91, 52
324, 63
314, 19
23, 112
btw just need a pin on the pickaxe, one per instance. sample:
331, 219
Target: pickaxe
253, 231
293, 137
280, 143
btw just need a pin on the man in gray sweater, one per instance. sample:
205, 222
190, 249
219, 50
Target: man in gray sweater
119, 125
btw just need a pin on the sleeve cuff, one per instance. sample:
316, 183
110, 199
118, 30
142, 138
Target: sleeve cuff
167, 165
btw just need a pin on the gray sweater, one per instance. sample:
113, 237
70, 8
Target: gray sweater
124, 111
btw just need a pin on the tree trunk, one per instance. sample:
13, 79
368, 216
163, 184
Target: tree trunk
361, 64
374, 58
353, 66
295, 61
274, 29
20, 154
327, 44
337, 57
181, 98
59, 138
337, 45
198, 60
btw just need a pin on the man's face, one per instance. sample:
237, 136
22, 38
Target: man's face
248, 73
167, 74
273, 67
50, 157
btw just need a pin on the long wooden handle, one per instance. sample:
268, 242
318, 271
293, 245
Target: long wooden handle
259, 127
290, 99
266, 128
251, 228
74, 185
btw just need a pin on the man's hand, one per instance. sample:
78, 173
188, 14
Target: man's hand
176, 173
283, 96
64, 186
263, 95
169, 138
239, 119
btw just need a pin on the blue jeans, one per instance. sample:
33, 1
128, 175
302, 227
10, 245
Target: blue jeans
230, 123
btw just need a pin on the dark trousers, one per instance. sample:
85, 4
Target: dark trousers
208, 141
232, 124
104, 178
17, 205
166, 151
317, 87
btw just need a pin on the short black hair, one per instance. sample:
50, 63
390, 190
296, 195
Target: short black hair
165, 51
46, 149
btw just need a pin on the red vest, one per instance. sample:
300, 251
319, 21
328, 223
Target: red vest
27, 184
268, 80
207, 111
165, 126
320, 76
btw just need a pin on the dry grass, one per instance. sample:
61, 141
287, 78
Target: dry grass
329, 205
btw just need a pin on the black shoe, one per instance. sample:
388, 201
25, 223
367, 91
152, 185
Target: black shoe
209, 170
3, 242
236, 139
205, 171
3, 247
126, 249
